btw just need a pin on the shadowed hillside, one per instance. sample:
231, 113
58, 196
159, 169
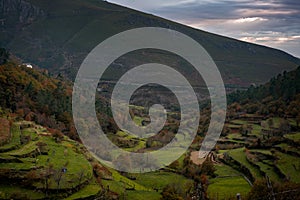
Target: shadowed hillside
58, 34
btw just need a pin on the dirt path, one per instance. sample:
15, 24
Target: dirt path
199, 161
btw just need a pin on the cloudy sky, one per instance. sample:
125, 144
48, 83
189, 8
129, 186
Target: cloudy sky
274, 23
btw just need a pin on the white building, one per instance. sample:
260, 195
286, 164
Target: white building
27, 65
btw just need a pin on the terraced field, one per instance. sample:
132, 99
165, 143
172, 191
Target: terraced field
228, 183
58, 168
258, 158
42, 163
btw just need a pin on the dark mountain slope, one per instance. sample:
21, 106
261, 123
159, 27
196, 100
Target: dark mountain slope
58, 34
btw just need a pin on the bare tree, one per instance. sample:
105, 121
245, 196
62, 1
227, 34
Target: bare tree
80, 176
58, 175
47, 175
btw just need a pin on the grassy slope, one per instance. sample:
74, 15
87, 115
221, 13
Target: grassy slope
295, 137
15, 139
287, 164
67, 153
144, 184
227, 184
290, 166
239, 156
4, 131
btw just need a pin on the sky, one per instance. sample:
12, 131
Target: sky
274, 23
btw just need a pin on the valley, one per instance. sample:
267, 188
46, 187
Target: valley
42, 155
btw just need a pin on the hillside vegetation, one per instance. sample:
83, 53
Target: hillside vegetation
36, 164
35, 96
279, 97
260, 140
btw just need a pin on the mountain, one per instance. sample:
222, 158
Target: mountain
58, 34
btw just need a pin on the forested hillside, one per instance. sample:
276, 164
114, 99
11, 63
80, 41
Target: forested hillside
35, 96
280, 96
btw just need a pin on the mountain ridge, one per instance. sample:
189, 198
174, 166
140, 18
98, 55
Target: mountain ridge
65, 32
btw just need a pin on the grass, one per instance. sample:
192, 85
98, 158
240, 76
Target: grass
233, 126
122, 134
180, 160
222, 188
256, 129
4, 131
144, 184
30, 132
227, 184
6, 192
119, 182
225, 170
234, 135
17, 166
161, 158
239, 122
286, 147
66, 153
295, 136
15, 141
276, 122
88, 191
262, 151
138, 120
292, 122
160, 179
113, 185
26, 149
269, 170
240, 156
236, 141
289, 165
138, 195
63, 154
141, 142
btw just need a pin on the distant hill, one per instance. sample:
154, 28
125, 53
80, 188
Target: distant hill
58, 34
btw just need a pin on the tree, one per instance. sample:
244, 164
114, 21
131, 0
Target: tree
4, 55
208, 168
46, 174
264, 190
244, 130
58, 175
284, 126
81, 176
298, 120
171, 192
270, 122
174, 165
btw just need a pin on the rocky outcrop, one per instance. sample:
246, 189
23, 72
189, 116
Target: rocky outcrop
15, 15
24, 11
